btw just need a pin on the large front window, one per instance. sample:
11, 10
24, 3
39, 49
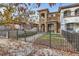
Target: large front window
72, 26
69, 26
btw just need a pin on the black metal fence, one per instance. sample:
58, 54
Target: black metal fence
16, 34
72, 37
51, 39
66, 41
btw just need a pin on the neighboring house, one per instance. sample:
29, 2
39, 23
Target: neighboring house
34, 18
49, 20
34, 21
69, 17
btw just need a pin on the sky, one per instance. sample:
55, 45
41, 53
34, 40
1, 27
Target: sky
53, 8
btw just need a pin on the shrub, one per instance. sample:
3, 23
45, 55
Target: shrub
27, 33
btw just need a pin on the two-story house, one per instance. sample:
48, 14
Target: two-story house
69, 17
49, 21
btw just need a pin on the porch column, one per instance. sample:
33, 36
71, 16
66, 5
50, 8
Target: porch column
55, 27
39, 27
46, 28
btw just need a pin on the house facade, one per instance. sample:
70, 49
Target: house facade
69, 17
49, 21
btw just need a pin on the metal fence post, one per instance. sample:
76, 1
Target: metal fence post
50, 39
8, 33
17, 33
25, 35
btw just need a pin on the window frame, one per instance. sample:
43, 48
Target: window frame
77, 11
67, 13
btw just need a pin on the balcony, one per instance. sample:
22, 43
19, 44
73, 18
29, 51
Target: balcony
42, 20
69, 13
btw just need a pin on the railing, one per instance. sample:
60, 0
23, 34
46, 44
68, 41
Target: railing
49, 39
16, 34
72, 37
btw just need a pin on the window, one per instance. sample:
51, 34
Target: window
69, 26
43, 15
51, 15
77, 11
67, 13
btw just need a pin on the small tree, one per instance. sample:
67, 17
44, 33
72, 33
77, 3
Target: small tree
22, 12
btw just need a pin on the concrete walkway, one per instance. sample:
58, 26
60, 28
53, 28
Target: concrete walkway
33, 38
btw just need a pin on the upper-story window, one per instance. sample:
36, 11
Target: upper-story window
43, 15
77, 11
51, 15
67, 13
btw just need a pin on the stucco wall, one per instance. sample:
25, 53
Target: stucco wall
73, 19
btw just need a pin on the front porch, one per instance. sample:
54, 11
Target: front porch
51, 25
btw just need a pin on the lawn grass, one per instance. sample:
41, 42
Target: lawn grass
55, 38
57, 41
53, 35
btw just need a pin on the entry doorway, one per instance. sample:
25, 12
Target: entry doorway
51, 26
43, 28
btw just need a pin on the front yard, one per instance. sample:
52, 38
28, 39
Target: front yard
57, 41
10, 47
